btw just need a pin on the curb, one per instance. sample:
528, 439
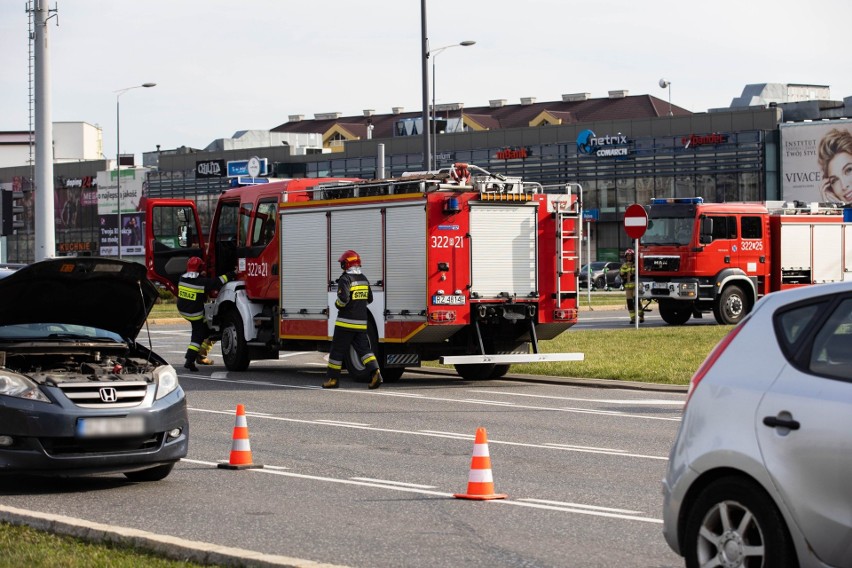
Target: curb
163, 545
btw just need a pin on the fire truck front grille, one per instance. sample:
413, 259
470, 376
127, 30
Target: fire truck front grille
660, 264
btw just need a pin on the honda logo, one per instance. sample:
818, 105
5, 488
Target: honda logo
108, 394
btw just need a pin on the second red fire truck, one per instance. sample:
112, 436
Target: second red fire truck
698, 257
467, 268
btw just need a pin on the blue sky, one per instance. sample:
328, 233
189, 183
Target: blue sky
223, 66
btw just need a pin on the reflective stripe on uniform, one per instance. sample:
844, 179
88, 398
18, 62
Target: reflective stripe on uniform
351, 324
192, 317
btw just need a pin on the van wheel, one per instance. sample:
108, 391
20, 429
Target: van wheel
234, 349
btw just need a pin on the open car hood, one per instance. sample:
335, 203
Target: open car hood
110, 294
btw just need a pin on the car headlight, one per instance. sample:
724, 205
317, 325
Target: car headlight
13, 384
167, 380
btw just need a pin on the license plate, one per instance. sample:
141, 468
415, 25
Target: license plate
110, 427
660, 285
455, 300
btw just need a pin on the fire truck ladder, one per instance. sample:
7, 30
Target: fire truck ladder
568, 225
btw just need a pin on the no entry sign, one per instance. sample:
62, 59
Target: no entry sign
635, 221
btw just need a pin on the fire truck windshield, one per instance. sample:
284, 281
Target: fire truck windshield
675, 231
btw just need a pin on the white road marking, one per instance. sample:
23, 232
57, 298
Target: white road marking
397, 483
631, 402
426, 490
364, 392
580, 449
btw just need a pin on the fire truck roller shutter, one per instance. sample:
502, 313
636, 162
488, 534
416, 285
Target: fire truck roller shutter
360, 230
501, 233
304, 261
405, 234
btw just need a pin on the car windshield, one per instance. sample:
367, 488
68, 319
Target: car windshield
32, 331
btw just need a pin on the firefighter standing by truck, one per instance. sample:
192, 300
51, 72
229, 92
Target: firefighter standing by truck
628, 277
193, 288
350, 328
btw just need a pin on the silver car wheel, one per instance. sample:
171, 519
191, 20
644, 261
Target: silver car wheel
734, 523
731, 536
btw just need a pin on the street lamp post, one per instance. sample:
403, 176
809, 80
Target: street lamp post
434, 54
118, 94
667, 85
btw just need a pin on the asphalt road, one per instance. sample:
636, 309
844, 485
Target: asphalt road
364, 478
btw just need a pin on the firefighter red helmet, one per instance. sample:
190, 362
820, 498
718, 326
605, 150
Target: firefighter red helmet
194, 264
629, 252
349, 259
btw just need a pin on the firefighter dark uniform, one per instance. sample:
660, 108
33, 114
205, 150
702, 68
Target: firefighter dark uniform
193, 289
350, 329
628, 278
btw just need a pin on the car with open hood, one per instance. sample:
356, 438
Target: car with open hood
79, 395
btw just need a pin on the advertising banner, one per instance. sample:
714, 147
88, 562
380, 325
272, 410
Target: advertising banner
132, 182
814, 157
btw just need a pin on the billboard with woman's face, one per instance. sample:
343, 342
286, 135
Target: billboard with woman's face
816, 162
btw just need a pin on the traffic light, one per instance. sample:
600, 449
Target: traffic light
11, 212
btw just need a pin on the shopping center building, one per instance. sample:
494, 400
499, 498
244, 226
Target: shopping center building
618, 150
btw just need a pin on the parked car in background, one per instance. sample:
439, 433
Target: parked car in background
604, 275
78, 394
759, 473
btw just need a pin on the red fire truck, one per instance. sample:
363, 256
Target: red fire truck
466, 267
700, 257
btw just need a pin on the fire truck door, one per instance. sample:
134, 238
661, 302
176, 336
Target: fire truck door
172, 236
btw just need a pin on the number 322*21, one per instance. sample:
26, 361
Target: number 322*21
447, 241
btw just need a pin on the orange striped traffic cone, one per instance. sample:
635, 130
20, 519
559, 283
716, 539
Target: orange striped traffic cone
480, 483
240, 448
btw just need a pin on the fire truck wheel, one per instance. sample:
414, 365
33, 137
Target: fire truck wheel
499, 371
732, 306
675, 314
476, 371
392, 374
234, 348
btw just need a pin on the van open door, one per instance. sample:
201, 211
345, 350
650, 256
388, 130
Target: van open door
172, 236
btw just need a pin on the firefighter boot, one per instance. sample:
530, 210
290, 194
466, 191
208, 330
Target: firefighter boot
375, 380
203, 359
331, 383
190, 364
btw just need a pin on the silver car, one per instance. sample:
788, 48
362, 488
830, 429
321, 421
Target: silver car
760, 473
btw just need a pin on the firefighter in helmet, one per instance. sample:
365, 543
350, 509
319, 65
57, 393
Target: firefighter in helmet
350, 328
628, 278
193, 288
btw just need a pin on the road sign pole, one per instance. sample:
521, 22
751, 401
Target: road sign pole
635, 224
636, 304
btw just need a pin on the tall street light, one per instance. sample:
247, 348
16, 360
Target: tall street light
118, 94
434, 54
424, 71
667, 85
